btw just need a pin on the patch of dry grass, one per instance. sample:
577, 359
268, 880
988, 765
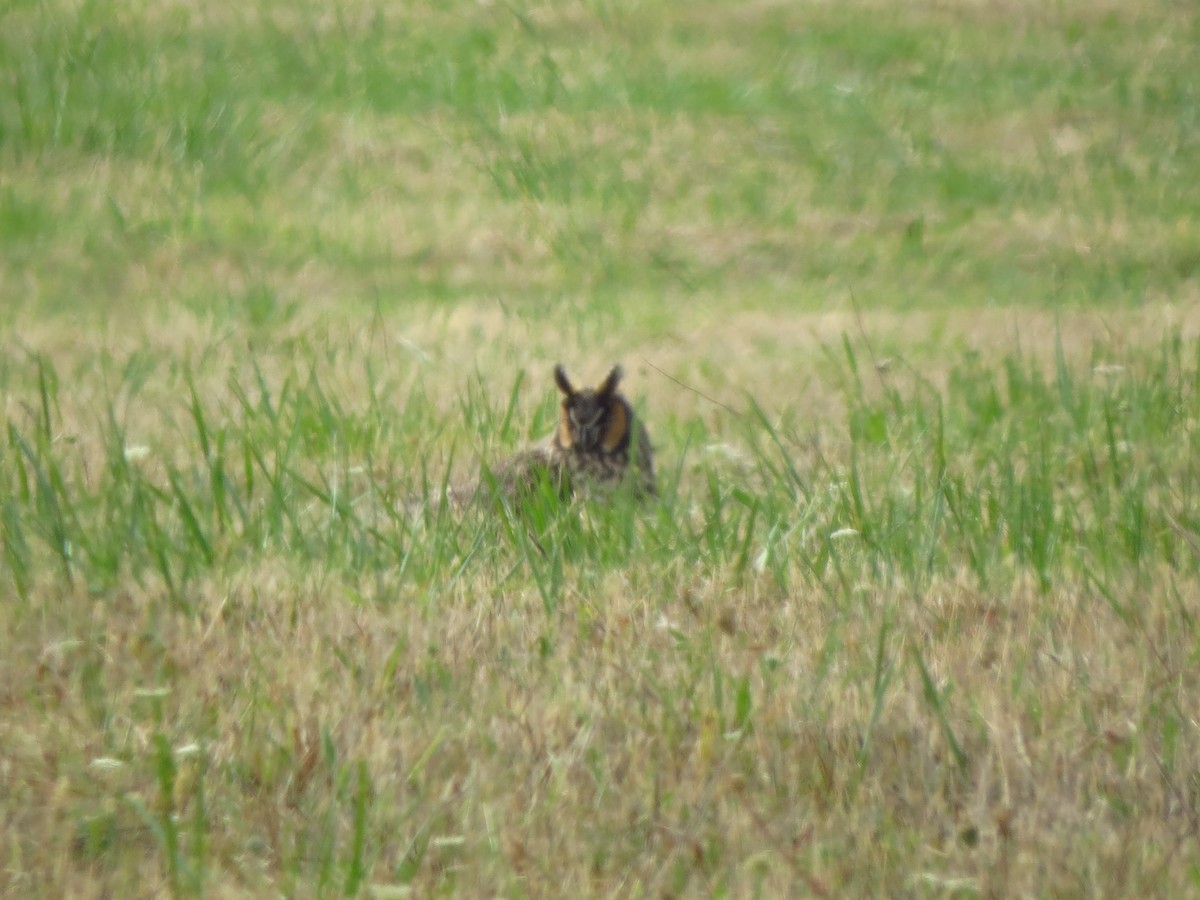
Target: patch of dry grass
601, 750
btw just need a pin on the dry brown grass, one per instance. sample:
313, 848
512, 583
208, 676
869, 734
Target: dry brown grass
603, 767
592, 749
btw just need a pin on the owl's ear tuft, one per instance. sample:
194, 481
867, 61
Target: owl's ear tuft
608, 386
563, 382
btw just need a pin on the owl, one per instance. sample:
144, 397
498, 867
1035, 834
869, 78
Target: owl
597, 445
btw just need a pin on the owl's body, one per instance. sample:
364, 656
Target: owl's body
597, 445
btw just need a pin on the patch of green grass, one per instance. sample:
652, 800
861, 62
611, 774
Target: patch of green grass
914, 156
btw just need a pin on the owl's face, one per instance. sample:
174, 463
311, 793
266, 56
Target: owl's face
592, 420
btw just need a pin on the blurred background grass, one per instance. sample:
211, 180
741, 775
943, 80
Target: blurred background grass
245, 161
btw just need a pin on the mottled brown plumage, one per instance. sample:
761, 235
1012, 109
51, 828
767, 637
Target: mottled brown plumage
597, 444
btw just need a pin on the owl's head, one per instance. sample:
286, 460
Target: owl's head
593, 420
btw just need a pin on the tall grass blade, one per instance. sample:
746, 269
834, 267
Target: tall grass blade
16, 549
190, 521
937, 704
50, 511
355, 866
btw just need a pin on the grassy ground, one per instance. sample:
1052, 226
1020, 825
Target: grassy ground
908, 296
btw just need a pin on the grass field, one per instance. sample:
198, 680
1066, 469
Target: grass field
908, 295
